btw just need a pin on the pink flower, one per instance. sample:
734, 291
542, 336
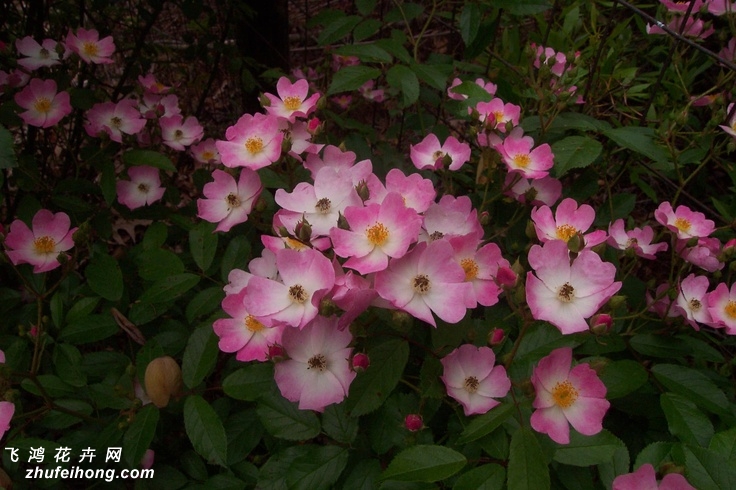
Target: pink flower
565, 294
2, 357
722, 307
413, 422
377, 232
720, 7
537, 192
177, 134
306, 277
89, 46
418, 192
557, 60
730, 127
143, 188
516, 152
575, 396
496, 114
150, 84
50, 236
318, 371
430, 154
37, 55
243, 333
44, 106
480, 266
229, 203
451, 217
682, 6
683, 221
206, 152
368, 92
7, 410
693, 28
332, 156
692, 301
646, 479
704, 253
569, 220
426, 280
147, 459
472, 378
292, 101
253, 142
639, 240
114, 119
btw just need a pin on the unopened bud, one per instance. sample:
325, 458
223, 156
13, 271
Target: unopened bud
484, 218
363, 192
413, 422
303, 230
401, 320
314, 126
261, 205
446, 161
601, 323
617, 301
576, 243
495, 337
342, 222
264, 101
361, 362
276, 353
530, 231
506, 277
162, 380
327, 307
147, 459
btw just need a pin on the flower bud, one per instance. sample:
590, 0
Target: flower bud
495, 337
147, 459
261, 205
265, 101
576, 243
276, 353
617, 301
484, 218
342, 222
506, 277
530, 231
162, 379
363, 191
327, 307
314, 126
303, 230
413, 422
361, 362
601, 323
401, 320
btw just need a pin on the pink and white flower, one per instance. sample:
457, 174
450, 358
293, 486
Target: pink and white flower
37, 55
683, 221
569, 220
692, 301
205, 152
694, 27
426, 280
7, 409
152, 85
722, 307
292, 101
567, 397
481, 267
114, 119
452, 216
705, 253
538, 192
557, 60
720, 7
318, 371
681, 6
253, 142
430, 154
496, 114
177, 133
472, 377
40, 245
143, 188
517, 153
645, 478
566, 294
88, 45
418, 193
730, 126
44, 106
639, 240
228, 202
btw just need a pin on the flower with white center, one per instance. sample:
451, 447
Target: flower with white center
692, 301
44, 105
722, 307
292, 101
683, 221
143, 188
568, 221
228, 202
41, 244
37, 55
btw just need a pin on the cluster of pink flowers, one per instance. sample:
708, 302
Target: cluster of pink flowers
560, 67
7, 409
694, 25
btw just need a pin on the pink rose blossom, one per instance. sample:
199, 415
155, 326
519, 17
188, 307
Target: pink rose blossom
720, 7
205, 152
473, 379
152, 85
352, 293
41, 244
730, 127
646, 479
370, 93
418, 192
557, 60
496, 114
693, 27
430, 154
413, 422
301, 140
481, 266
37, 55
292, 101
178, 134
569, 220
682, 6
517, 153
318, 371
2, 357
704, 253
489, 87
661, 303
253, 142
538, 192
7, 409
452, 216
567, 397
332, 156
228, 203
114, 119
143, 188
722, 307
639, 240
88, 45
683, 221
692, 301
44, 106
565, 293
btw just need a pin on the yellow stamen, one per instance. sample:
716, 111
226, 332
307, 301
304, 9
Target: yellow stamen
292, 103
470, 267
90, 49
377, 234
682, 224
565, 232
564, 394
730, 309
253, 325
522, 160
42, 105
254, 145
44, 244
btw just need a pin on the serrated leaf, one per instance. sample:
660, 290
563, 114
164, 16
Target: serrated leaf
405, 81
469, 22
653, 454
523, 7
588, 450
640, 140
307, 467
169, 288
205, 430
693, 385
424, 463
250, 382
367, 53
139, 434
365, 7
574, 152
204, 303
284, 420
105, 277
685, 420
7, 155
724, 443
526, 468
200, 356
149, 158
338, 29
369, 390
485, 424
364, 475
623, 377
339, 425
89, 329
68, 363
107, 182
485, 477
659, 346
203, 244
433, 75
350, 78
708, 470
236, 253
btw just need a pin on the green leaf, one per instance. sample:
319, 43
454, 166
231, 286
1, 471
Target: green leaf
405, 81
693, 385
284, 420
396, 48
338, 29
685, 420
68, 362
623, 377
156, 264
169, 288
523, 7
203, 244
205, 430
475, 92
89, 329
708, 470
588, 450
338, 424
204, 303
366, 29
575, 152
485, 424
105, 277
527, 468
724, 443
369, 390
7, 155
307, 467
640, 140
424, 463
244, 432
365, 475
433, 75
659, 346
250, 382
200, 356
485, 477
365, 7
149, 158
351, 78
139, 435
654, 454
367, 53
58, 420
469, 22
236, 253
